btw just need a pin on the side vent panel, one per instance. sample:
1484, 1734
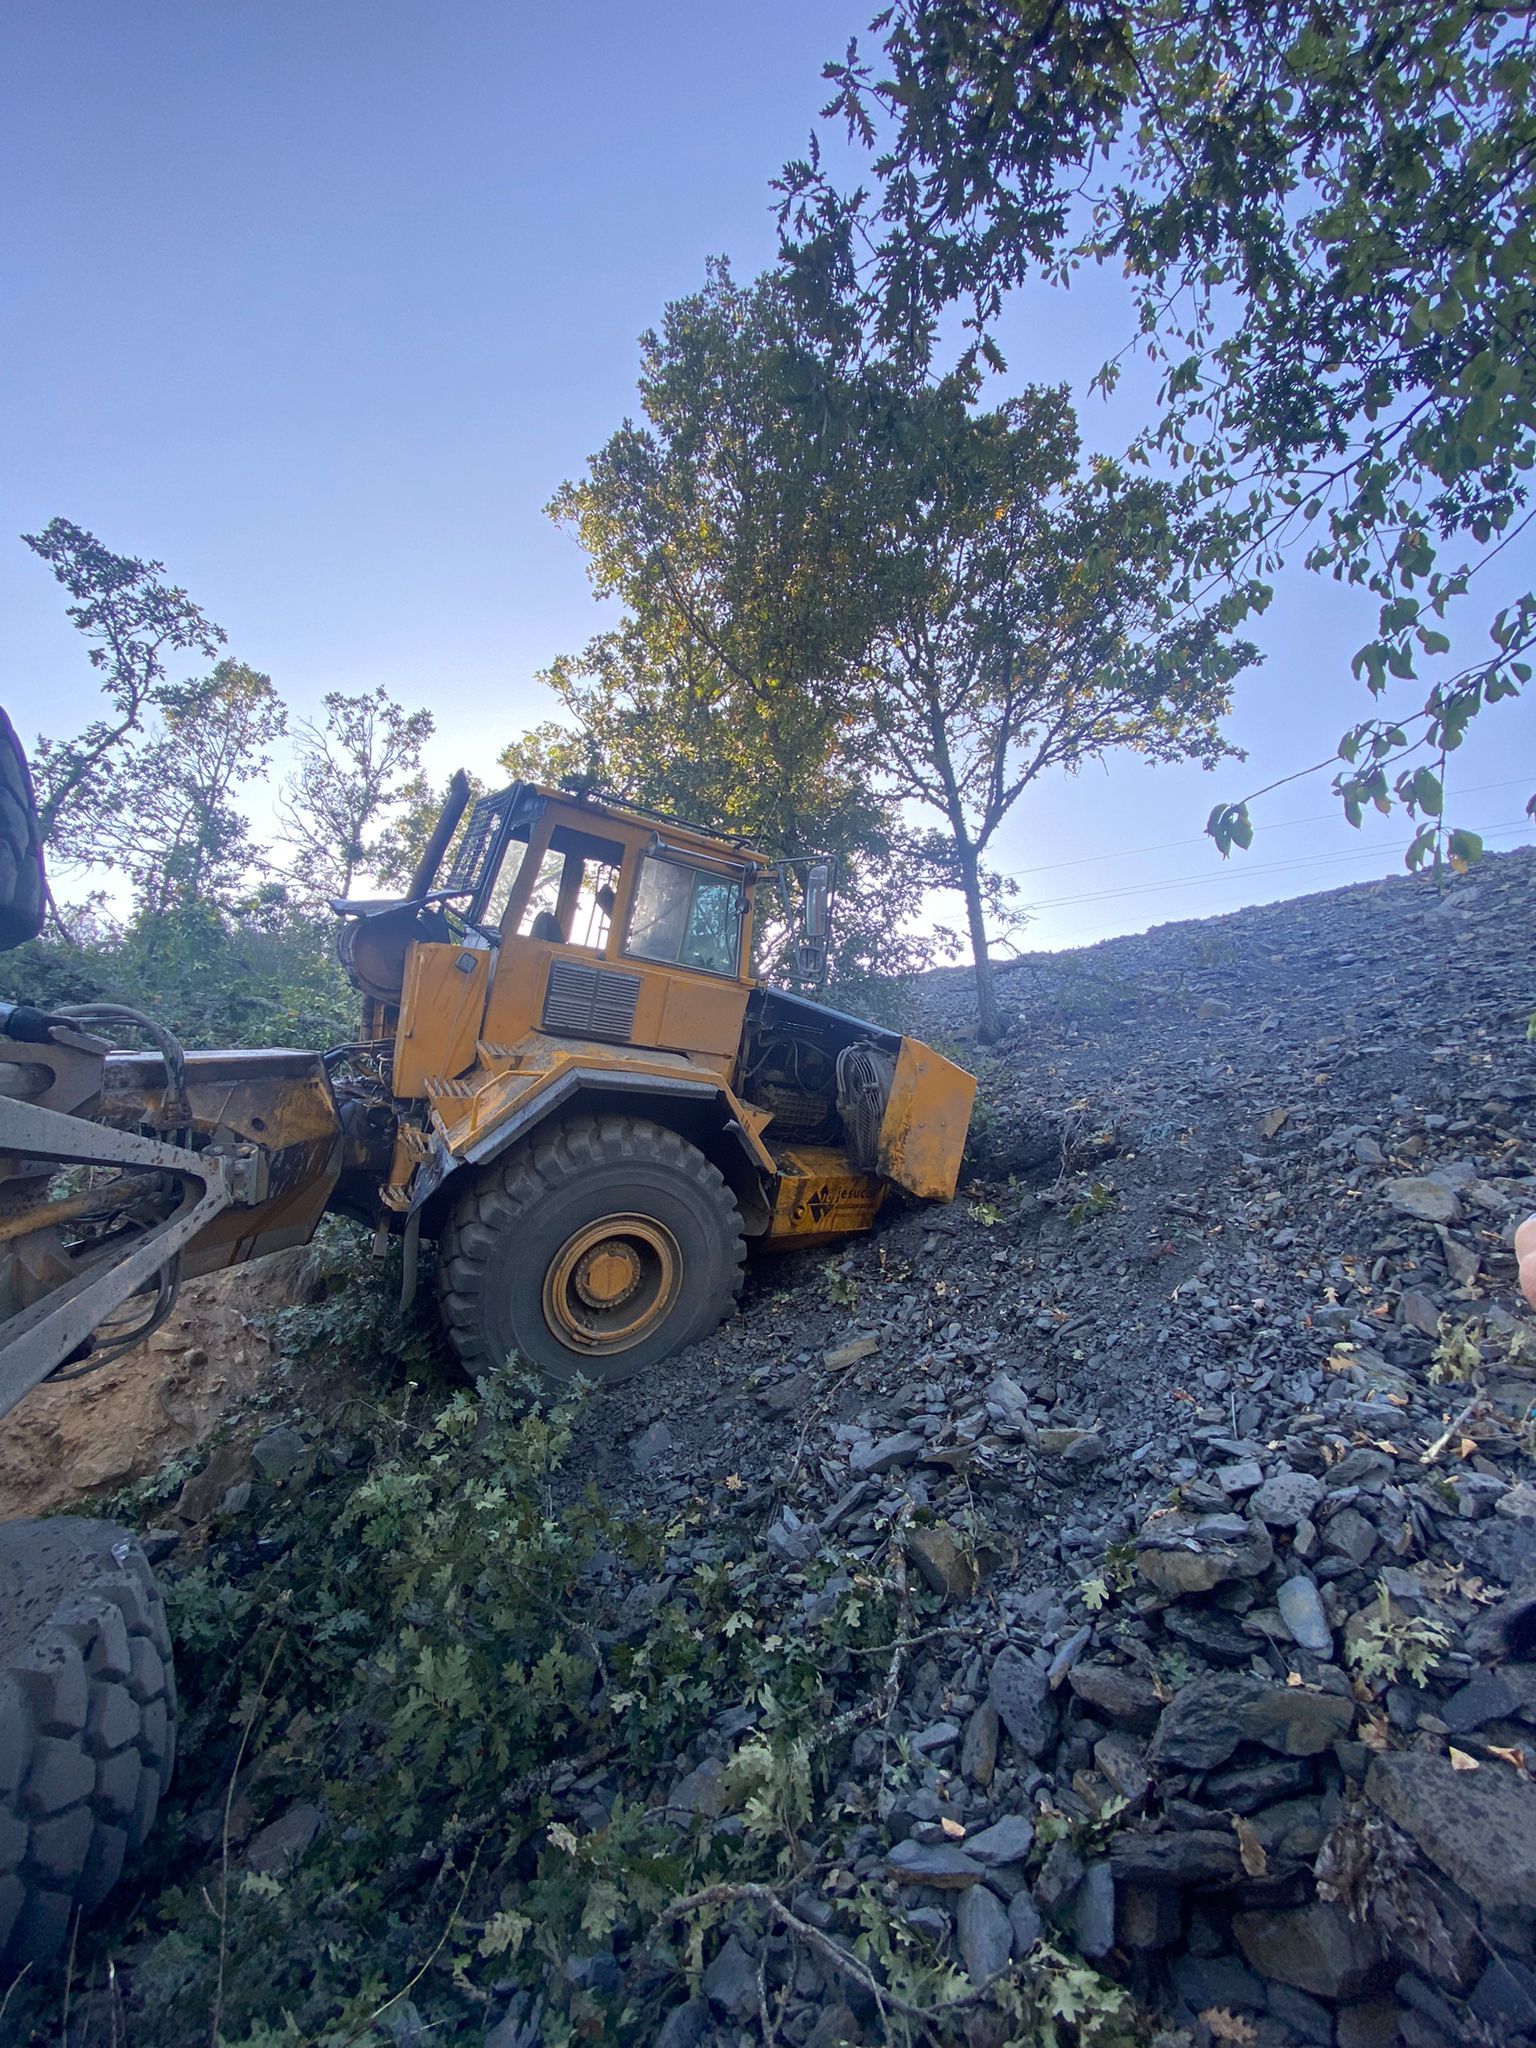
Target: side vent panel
590, 1002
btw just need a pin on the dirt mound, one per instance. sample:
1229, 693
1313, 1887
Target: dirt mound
75, 1437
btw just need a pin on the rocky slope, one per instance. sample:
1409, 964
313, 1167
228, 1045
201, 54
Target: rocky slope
1188, 1457
1206, 1414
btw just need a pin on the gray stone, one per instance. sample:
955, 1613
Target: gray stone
1427, 1201
1362, 1467
1222, 1981
939, 1864
1295, 1721
1187, 1856
1479, 1827
835, 2027
1375, 2024
983, 1934
1301, 1609
1025, 1922
1180, 1553
1217, 1638
1286, 1499
784, 1396
1075, 1446
1119, 1760
1418, 1312
1490, 1696
931, 1921
1060, 1875
730, 1982
1246, 1787
1093, 1913
702, 1791
1349, 1534
651, 1446
940, 1558
1008, 1840
1150, 1916
888, 1454
1318, 1948
280, 1454
1505, 1996
283, 1841
936, 1736
1120, 1692
600, 1973
1066, 1657
1242, 1477
1202, 1725
1021, 1693
788, 1537
978, 1752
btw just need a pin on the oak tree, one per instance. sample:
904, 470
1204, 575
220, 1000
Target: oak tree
1327, 218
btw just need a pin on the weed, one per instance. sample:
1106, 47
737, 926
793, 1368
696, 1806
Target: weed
1392, 1647
1116, 1576
842, 1289
1458, 1354
1098, 1202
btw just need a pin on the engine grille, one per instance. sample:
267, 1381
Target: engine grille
590, 1002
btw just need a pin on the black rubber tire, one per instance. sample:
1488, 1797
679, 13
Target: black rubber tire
87, 1723
23, 893
512, 1222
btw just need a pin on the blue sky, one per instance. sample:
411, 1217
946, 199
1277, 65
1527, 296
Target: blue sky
319, 304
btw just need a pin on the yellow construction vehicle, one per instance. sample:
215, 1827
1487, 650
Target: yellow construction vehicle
567, 1075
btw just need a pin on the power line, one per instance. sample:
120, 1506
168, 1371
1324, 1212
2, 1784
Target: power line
1201, 839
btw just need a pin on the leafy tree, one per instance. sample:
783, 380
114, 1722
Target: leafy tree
1326, 217
964, 608
1025, 628
131, 617
362, 764
177, 832
262, 972
730, 526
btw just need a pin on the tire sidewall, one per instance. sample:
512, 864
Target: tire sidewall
512, 1309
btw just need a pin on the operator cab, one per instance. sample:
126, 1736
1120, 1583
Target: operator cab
599, 922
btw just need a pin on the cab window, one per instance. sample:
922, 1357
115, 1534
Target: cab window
685, 917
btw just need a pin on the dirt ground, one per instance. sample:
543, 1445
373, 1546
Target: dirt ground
163, 1397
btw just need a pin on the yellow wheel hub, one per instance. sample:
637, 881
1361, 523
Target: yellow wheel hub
608, 1275
612, 1283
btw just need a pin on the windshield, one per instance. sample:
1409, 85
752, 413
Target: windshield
685, 917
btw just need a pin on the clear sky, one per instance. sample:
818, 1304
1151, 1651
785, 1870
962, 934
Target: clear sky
319, 304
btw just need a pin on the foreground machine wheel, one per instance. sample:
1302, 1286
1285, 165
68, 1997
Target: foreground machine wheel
87, 1723
603, 1247
22, 889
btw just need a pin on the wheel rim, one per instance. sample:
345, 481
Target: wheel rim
612, 1283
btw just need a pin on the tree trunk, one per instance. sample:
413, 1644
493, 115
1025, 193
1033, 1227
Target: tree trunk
989, 1021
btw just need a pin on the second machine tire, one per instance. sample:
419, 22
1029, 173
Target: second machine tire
603, 1246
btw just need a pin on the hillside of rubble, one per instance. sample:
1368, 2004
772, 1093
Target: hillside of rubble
1101, 1610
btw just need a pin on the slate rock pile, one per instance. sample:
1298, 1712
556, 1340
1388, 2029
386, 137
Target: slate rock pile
1203, 1427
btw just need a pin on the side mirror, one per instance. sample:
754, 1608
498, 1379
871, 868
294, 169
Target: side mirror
815, 915
815, 923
